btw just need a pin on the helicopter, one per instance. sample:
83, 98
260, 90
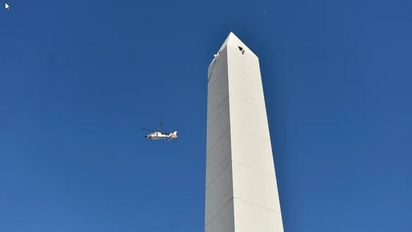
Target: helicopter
158, 134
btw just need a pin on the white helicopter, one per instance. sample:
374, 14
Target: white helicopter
157, 134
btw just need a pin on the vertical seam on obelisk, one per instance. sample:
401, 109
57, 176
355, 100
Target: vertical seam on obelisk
230, 138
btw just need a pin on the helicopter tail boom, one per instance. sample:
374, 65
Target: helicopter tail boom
173, 135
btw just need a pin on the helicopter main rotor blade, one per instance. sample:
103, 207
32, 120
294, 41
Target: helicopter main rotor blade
147, 129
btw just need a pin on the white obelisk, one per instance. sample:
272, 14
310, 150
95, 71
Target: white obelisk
241, 188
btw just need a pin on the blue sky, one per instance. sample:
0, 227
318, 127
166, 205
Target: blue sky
78, 79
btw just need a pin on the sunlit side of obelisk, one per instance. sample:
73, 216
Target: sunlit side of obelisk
241, 188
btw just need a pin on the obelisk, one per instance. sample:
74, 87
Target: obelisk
241, 188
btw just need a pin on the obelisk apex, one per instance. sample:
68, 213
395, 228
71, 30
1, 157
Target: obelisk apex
241, 188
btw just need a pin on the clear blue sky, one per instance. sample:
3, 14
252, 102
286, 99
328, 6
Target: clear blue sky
78, 79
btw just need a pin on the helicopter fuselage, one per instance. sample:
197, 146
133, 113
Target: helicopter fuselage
159, 135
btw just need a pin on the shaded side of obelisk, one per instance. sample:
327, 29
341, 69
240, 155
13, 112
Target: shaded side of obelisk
241, 188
